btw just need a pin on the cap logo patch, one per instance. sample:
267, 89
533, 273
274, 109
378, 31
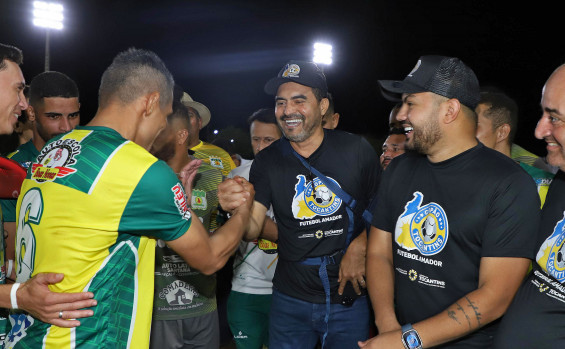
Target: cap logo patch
415, 68
291, 71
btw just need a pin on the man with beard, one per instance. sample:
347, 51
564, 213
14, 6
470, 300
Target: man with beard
536, 317
53, 110
191, 321
314, 229
209, 153
446, 289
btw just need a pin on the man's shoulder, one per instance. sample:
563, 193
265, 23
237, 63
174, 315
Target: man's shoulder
24, 153
497, 162
344, 136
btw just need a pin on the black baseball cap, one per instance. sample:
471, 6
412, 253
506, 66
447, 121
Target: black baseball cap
445, 76
303, 73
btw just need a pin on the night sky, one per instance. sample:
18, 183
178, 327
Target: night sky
223, 52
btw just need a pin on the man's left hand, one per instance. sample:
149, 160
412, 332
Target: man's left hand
352, 266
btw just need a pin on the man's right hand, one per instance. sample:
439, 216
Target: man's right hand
35, 297
234, 192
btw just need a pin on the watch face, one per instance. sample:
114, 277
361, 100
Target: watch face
411, 339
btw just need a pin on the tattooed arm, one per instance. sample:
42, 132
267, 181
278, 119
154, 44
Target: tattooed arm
499, 279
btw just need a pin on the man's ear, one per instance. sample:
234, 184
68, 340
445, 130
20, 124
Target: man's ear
182, 136
452, 108
336, 119
324, 105
30, 113
152, 103
502, 133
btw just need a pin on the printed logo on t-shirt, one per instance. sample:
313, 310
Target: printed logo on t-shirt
55, 160
178, 293
422, 228
216, 162
198, 201
20, 324
313, 198
180, 201
266, 246
551, 255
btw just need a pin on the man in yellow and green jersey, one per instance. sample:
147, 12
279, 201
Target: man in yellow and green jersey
497, 126
93, 203
209, 153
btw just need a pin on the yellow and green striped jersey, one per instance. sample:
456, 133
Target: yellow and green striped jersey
89, 208
214, 156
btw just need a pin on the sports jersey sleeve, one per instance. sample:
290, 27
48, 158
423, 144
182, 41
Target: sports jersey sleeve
258, 176
513, 219
162, 201
9, 209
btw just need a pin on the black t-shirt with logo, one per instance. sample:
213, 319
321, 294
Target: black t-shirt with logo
311, 220
444, 217
536, 317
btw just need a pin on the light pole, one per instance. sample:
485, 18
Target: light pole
48, 15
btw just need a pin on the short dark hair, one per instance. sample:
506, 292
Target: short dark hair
265, 115
319, 94
51, 84
10, 53
133, 73
180, 112
501, 109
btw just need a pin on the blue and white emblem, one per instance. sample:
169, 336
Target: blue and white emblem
551, 255
313, 198
424, 228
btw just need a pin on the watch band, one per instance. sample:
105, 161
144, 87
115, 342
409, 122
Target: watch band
410, 337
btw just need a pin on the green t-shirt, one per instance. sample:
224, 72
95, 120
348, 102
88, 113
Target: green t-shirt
180, 291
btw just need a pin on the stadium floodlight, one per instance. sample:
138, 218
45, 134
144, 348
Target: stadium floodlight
48, 15
322, 53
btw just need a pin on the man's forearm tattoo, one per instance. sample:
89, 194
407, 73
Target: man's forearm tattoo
464, 313
472, 305
451, 314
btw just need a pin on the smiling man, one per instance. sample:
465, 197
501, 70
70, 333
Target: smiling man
536, 317
33, 295
314, 224
53, 110
452, 233
393, 146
